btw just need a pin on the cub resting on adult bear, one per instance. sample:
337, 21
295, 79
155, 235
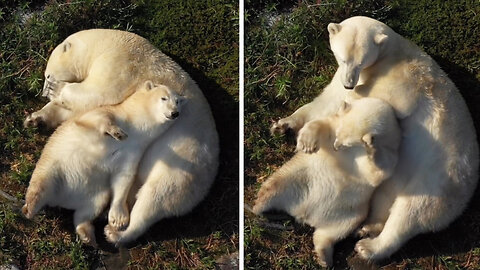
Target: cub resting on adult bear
437, 169
330, 189
99, 67
80, 166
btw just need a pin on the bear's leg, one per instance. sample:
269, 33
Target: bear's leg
284, 188
115, 132
103, 122
293, 122
51, 116
410, 215
381, 202
91, 93
313, 135
145, 212
324, 238
400, 226
326, 104
266, 197
86, 233
166, 193
40, 189
83, 216
35, 199
323, 242
143, 215
121, 182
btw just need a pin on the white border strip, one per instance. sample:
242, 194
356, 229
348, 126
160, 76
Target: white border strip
241, 135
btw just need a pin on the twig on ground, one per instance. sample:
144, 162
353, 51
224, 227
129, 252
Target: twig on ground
275, 226
10, 197
265, 221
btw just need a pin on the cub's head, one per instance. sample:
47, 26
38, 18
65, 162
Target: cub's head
356, 43
367, 121
165, 103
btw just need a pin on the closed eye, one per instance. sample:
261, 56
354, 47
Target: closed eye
164, 98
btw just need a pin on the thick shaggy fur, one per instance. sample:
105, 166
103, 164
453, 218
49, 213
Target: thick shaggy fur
89, 156
100, 67
331, 189
437, 170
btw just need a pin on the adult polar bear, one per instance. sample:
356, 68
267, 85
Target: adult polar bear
102, 67
438, 159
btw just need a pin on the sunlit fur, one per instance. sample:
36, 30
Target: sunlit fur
98, 152
104, 67
437, 170
328, 189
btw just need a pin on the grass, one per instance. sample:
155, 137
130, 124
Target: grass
288, 62
202, 36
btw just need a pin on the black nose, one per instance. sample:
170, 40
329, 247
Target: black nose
175, 115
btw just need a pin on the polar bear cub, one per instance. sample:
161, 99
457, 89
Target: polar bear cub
330, 189
80, 166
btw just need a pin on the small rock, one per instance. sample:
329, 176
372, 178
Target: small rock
227, 262
8, 267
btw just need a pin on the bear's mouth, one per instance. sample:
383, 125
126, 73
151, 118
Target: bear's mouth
172, 116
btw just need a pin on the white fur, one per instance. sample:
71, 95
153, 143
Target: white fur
97, 67
438, 161
80, 164
330, 190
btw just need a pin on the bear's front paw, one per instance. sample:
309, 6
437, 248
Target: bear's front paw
262, 198
368, 248
34, 120
325, 257
116, 133
112, 235
27, 212
369, 230
118, 217
307, 141
86, 233
52, 88
282, 126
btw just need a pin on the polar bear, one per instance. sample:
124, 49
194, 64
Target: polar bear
331, 189
80, 165
437, 170
102, 67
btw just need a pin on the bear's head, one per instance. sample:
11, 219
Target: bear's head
356, 43
165, 103
64, 62
366, 121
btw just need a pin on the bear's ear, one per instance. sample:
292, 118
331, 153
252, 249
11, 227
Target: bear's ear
66, 46
380, 39
149, 85
368, 140
344, 108
334, 28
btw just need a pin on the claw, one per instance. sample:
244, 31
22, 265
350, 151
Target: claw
46, 88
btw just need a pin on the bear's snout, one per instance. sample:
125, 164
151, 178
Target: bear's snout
173, 115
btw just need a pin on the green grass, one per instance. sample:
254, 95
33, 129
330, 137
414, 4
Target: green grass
288, 63
202, 36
